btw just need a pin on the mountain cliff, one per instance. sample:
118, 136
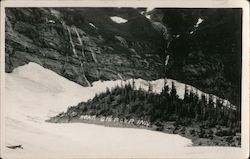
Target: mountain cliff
84, 45
207, 54
90, 44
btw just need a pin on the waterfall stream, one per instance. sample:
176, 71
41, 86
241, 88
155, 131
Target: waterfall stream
93, 56
78, 36
74, 50
71, 41
119, 75
81, 43
84, 77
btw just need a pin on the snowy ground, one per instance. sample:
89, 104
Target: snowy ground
33, 94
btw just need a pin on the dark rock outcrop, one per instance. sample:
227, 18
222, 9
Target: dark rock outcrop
83, 45
208, 56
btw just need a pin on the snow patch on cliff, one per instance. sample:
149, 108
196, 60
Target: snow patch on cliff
148, 16
199, 21
149, 9
91, 24
118, 20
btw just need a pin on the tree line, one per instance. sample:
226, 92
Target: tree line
128, 102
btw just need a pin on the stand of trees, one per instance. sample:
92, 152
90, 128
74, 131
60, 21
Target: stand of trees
128, 102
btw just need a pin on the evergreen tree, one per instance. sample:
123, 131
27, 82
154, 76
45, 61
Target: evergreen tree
186, 95
150, 87
133, 83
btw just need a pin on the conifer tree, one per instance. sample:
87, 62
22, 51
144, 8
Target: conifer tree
150, 87
186, 95
133, 83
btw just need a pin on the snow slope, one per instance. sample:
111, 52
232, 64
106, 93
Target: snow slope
34, 93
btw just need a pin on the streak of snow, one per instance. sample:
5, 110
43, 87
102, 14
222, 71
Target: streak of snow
166, 60
54, 12
117, 19
149, 9
34, 93
51, 21
198, 22
91, 24
148, 16
142, 12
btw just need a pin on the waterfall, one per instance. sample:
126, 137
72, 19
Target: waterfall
71, 41
78, 36
84, 77
80, 42
162, 29
166, 60
119, 75
83, 54
146, 62
73, 49
93, 56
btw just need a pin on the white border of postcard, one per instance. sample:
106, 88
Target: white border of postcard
244, 4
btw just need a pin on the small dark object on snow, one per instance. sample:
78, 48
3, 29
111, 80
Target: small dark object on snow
15, 147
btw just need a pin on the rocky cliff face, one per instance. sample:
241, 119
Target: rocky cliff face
86, 44
205, 50
207, 54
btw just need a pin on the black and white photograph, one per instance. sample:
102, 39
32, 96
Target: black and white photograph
109, 81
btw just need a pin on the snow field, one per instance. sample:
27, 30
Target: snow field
33, 94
